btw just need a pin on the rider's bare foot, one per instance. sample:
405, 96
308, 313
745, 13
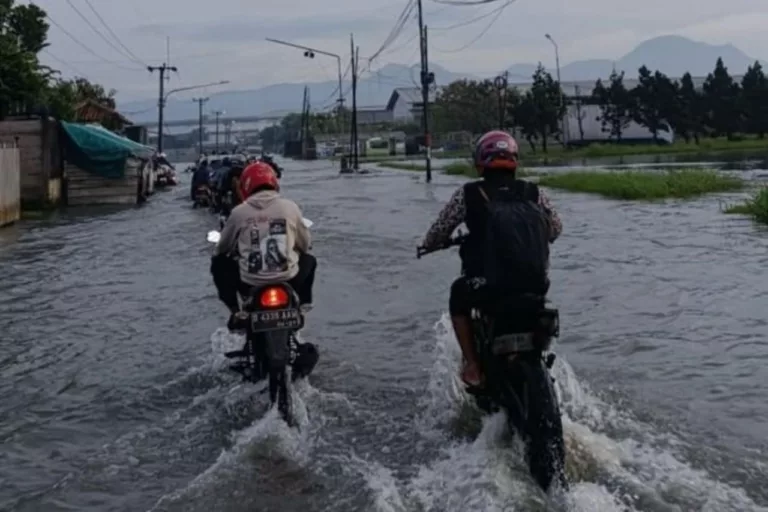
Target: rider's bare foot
471, 375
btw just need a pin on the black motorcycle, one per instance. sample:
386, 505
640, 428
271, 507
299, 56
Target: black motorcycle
513, 336
271, 318
267, 159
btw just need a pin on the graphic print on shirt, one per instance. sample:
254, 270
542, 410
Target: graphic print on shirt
275, 246
254, 256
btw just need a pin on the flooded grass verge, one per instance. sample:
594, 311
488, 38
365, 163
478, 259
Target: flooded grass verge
756, 207
644, 185
456, 168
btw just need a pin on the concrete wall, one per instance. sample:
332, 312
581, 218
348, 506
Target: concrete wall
10, 189
39, 156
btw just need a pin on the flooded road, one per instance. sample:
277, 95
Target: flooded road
113, 395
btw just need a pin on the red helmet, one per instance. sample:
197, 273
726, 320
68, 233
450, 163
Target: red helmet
256, 175
496, 150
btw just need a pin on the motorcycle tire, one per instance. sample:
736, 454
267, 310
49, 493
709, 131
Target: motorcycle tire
533, 411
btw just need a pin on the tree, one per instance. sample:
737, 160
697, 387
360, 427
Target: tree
687, 118
754, 100
648, 102
545, 106
466, 105
615, 103
24, 83
721, 96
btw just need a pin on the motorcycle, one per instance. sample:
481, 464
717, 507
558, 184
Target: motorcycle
269, 160
513, 339
203, 197
271, 318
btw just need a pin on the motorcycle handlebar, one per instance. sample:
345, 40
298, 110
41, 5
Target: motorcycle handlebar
423, 251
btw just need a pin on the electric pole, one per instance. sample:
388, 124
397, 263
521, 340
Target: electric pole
161, 101
426, 80
355, 52
218, 114
200, 102
502, 83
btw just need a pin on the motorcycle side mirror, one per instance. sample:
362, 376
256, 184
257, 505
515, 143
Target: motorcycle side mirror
214, 237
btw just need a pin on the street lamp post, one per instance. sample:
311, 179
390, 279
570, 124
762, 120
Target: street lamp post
310, 53
200, 102
218, 114
164, 99
560, 83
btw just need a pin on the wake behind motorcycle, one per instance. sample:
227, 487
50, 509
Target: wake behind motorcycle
271, 318
512, 339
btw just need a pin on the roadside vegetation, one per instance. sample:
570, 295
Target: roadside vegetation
755, 207
644, 185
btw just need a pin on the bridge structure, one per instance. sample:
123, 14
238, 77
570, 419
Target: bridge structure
210, 120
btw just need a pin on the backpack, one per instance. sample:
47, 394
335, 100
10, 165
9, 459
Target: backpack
516, 250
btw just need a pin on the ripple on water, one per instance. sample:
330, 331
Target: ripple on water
111, 399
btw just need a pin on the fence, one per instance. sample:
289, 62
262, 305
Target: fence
10, 181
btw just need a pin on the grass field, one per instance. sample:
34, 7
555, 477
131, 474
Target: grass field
756, 207
644, 185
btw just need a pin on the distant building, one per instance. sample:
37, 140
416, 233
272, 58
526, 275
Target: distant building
374, 115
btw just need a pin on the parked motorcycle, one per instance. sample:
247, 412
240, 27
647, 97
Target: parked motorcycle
512, 339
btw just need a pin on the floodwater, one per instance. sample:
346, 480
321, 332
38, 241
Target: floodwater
113, 395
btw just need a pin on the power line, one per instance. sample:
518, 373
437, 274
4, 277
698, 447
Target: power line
481, 34
396, 30
475, 19
65, 63
84, 46
95, 30
109, 29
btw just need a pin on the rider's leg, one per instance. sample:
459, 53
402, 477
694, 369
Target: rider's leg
226, 277
460, 307
304, 280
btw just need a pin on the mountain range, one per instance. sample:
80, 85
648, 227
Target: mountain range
672, 55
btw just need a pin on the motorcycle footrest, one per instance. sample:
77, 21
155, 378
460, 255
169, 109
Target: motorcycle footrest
235, 354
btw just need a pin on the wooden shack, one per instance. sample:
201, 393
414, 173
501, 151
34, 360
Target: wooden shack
102, 167
39, 158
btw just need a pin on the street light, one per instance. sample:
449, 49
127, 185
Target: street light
560, 83
163, 99
218, 114
310, 54
191, 87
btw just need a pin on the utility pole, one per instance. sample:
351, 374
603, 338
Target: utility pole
161, 101
426, 80
563, 127
355, 52
502, 83
304, 130
218, 114
200, 102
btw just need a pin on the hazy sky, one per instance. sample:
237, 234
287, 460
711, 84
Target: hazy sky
213, 40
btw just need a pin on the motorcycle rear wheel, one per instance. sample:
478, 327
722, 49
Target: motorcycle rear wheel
534, 413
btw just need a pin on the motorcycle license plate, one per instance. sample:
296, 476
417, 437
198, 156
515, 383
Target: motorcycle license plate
276, 320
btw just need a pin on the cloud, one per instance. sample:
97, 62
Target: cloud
225, 38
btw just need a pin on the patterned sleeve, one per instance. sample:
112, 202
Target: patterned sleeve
451, 216
557, 224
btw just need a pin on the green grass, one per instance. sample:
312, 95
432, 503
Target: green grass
706, 146
756, 207
457, 168
644, 185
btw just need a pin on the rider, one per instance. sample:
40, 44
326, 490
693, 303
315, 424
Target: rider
496, 159
264, 221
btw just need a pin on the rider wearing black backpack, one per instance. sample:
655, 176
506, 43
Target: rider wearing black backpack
511, 224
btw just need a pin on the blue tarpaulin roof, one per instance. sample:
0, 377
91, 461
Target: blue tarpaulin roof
99, 151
